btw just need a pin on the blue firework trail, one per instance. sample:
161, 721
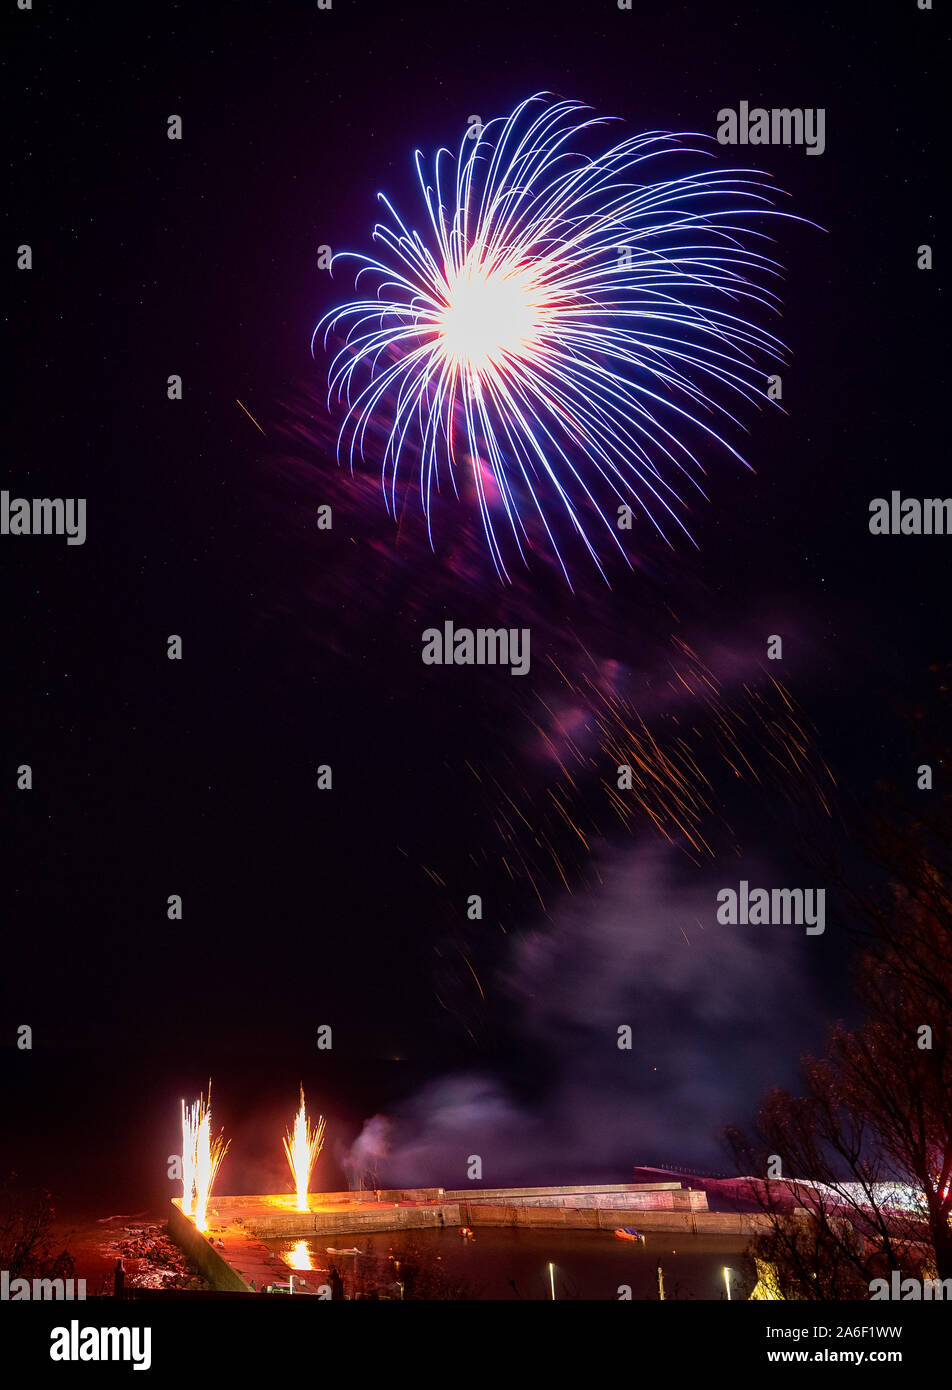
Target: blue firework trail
569, 329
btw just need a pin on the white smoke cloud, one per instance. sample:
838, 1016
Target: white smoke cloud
718, 1015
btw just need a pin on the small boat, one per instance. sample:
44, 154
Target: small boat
629, 1233
352, 1251
466, 1233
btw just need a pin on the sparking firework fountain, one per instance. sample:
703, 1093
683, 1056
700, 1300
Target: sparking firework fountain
189, 1151
201, 1158
302, 1146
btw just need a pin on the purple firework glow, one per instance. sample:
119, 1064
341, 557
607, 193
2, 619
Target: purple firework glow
569, 327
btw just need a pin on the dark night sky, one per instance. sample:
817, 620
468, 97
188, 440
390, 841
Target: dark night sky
152, 777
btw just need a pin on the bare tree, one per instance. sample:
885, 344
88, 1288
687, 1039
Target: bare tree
27, 1246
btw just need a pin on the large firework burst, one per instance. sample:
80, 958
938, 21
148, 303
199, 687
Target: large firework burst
570, 328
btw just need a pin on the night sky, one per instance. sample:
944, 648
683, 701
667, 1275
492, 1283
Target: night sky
151, 777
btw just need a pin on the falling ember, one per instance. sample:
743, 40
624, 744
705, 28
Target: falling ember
201, 1158
302, 1146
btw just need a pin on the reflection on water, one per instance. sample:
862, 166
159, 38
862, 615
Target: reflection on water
298, 1257
503, 1263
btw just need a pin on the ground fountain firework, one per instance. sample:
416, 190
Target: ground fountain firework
302, 1146
202, 1155
189, 1154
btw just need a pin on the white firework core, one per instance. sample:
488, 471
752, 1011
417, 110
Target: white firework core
490, 315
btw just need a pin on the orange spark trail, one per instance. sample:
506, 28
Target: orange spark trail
250, 417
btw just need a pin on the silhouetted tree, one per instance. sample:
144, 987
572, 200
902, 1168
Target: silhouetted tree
28, 1249
875, 1118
